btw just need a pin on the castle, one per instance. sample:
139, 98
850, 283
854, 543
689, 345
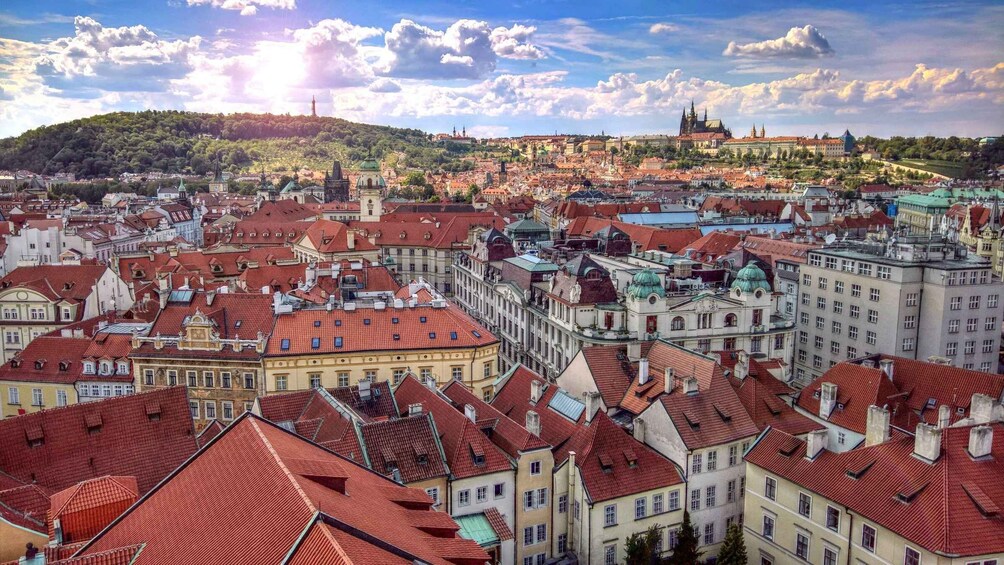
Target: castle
690, 124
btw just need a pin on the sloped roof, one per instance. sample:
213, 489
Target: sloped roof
209, 509
72, 283
942, 512
508, 434
409, 445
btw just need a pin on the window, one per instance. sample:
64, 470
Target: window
610, 555
13, 395
36, 397
871, 337
911, 299
193, 406
856, 290
610, 515
988, 345
831, 262
210, 410
528, 535
804, 504
343, 379
695, 500
971, 324
974, 302
992, 301
562, 544
806, 280
911, 556
710, 496
535, 468
499, 490
953, 326
822, 283
801, 356
640, 508
657, 504
802, 546
855, 311
990, 324
768, 527
433, 493
909, 322
838, 287
970, 347
193, 378
674, 538
818, 342
955, 303
488, 369
821, 303
482, 494
695, 464
464, 497
563, 504
873, 316
883, 272
712, 460
148, 377
457, 373
228, 410
733, 455
249, 381
730, 491
674, 500
815, 260
542, 498
770, 488
829, 556
541, 533
852, 352
709, 533
868, 537
280, 382
908, 344
834, 347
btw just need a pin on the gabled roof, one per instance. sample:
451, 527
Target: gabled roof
512, 398
649, 238
948, 507
142, 435
72, 283
409, 445
321, 508
50, 359
328, 236
762, 395
87, 507
469, 452
508, 434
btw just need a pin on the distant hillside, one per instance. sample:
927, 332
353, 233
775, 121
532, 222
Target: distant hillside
188, 142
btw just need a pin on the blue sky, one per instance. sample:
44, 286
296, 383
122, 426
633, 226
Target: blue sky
510, 68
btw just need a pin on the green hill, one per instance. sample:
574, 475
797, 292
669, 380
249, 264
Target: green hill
188, 142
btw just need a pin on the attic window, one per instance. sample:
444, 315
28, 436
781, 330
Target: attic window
338, 341
338, 323
394, 320
153, 411
68, 285
64, 365
983, 502
606, 463
840, 406
815, 393
453, 335
631, 458
315, 343
93, 423
317, 323
366, 321
723, 413
476, 333
432, 335
909, 492
39, 364
931, 403
138, 274
284, 344
857, 471
422, 319
692, 420
789, 448
397, 337
478, 454
961, 411
238, 323
35, 436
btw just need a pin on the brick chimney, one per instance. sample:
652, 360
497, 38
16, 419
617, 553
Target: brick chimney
981, 440
927, 443
877, 426
944, 416
536, 389
815, 443
471, 412
592, 402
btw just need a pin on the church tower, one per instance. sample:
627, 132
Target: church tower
336, 185
218, 184
370, 186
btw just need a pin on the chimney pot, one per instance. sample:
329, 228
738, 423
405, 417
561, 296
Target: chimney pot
643, 371
634, 350
471, 412
815, 443
592, 402
927, 442
876, 426
535, 391
668, 374
533, 422
981, 441
639, 429
944, 416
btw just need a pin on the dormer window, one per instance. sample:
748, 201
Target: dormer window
88, 367
39, 364
138, 274
106, 368
64, 365
123, 368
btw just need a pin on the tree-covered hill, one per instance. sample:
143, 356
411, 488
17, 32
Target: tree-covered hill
188, 142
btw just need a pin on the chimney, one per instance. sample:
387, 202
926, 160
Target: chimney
868, 363
643, 371
876, 426
887, 368
742, 368
690, 385
944, 416
471, 413
927, 442
981, 408
350, 239
815, 443
592, 402
535, 391
639, 429
414, 409
533, 422
669, 380
634, 350
827, 399
210, 297
981, 440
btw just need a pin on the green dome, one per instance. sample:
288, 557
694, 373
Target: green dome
370, 165
750, 278
645, 283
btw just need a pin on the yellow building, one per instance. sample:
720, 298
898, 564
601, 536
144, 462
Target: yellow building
930, 499
379, 341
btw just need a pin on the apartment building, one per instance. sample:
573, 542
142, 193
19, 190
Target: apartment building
910, 297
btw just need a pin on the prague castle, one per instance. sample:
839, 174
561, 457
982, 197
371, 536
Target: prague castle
690, 124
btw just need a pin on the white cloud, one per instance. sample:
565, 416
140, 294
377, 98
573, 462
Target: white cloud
513, 42
246, 7
384, 85
663, 27
799, 43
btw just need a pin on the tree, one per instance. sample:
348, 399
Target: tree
640, 548
734, 548
686, 544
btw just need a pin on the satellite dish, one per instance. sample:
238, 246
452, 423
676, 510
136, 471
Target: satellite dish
830, 239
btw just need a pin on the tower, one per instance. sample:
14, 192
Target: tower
336, 186
218, 184
182, 193
313, 106
370, 187
753, 131
763, 130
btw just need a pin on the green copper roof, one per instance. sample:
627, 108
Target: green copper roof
644, 284
750, 278
370, 165
477, 527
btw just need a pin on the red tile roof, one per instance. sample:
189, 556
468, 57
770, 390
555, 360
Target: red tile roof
649, 238
409, 445
508, 434
72, 283
282, 211
463, 442
208, 510
914, 383
762, 396
712, 246
944, 516
512, 398
87, 507
368, 329
50, 359
328, 236
208, 264
130, 440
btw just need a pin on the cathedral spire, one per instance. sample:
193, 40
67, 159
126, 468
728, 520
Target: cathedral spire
763, 130
693, 114
753, 131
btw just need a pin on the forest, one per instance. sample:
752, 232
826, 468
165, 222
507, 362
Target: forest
187, 142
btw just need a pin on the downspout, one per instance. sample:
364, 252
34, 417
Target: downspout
571, 499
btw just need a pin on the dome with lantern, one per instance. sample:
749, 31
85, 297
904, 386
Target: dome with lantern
645, 283
750, 278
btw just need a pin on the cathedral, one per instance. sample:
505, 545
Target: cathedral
336, 185
690, 124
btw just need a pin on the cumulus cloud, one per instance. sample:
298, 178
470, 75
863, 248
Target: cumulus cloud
132, 58
663, 27
799, 43
467, 49
333, 53
246, 7
384, 85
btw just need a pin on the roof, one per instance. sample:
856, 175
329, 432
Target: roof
87, 507
914, 394
328, 236
649, 238
367, 329
322, 508
762, 395
51, 359
408, 445
142, 435
72, 283
948, 506
511, 436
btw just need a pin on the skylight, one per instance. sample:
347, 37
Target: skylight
453, 335
315, 343
432, 335
338, 322
284, 345
338, 341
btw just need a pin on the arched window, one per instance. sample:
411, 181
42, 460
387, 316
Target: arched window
730, 320
677, 324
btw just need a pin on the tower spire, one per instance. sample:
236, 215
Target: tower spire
313, 106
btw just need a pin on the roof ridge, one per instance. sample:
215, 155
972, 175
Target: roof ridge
282, 466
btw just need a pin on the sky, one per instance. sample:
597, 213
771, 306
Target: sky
508, 68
